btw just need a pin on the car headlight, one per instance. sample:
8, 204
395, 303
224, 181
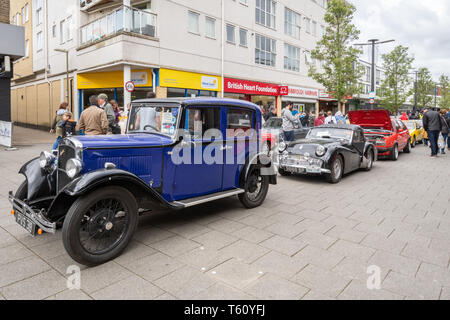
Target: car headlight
73, 167
46, 159
282, 146
320, 151
381, 142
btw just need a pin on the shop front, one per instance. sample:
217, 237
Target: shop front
112, 84
188, 84
303, 99
327, 102
262, 94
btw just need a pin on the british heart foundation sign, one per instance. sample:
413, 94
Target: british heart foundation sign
251, 87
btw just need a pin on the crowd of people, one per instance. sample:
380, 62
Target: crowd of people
436, 124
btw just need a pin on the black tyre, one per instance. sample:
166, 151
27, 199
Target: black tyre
99, 225
256, 188
394, 153
370, 156
337, 170
407, 148
414, 142
22, 191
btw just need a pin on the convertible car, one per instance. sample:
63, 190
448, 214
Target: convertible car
331, 150
389, 135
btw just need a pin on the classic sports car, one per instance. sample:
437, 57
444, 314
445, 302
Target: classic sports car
332, 150
415, 131
389, 135
272, 130
173, 156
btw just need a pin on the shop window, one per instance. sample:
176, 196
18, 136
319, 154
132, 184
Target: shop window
176, 93
239, 123
197, 121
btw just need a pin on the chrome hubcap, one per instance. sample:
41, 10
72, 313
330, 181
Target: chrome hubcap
337, 169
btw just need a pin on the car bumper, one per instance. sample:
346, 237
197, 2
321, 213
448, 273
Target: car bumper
36, 217
303, 169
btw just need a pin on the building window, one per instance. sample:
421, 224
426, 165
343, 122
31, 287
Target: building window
291, 58
242, 37
292, 23
210, 27
14, 20
367, 74
27, 48
265, 51
308, 25
38, 12
23, 15
265, 13
69, 28
54, 31
308, 59
39, 43
231, 37
193, 22
314, 29
27, 13
62, 33
245, 2
322, 31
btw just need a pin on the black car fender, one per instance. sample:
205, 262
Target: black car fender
263, 161
104, 177
370, 146
41, 183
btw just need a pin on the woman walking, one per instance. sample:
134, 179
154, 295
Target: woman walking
55, 128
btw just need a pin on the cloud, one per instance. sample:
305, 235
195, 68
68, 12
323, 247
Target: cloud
423, 26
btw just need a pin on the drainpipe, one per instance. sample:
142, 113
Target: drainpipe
47, 61
223, 47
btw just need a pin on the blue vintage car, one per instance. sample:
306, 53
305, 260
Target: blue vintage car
177, 153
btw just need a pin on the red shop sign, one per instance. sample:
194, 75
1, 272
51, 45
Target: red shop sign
250, 87
284, 90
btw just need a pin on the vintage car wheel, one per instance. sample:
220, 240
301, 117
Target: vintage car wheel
394, 153
22, 191
370, 158
100, 225
407, 148
256, 187
414, 142
337, 170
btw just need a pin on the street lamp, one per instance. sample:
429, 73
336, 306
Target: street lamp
67, 70
373, 42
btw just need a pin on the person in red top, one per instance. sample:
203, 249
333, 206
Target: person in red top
320, 120
404, 117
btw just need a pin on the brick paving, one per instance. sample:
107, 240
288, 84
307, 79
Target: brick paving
310, 240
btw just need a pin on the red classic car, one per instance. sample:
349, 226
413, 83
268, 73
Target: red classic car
389, 135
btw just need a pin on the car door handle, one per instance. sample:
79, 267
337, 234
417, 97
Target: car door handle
226, 148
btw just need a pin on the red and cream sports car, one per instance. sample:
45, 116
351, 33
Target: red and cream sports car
389, 135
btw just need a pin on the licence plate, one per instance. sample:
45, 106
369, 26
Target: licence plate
295, 170
26, 223
313, 170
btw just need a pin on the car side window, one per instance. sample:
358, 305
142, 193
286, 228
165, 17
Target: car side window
200, 122
358, 137
239, 123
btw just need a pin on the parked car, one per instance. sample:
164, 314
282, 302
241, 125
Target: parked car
331, 150
96, 185
415, 131
272, 131
389, 135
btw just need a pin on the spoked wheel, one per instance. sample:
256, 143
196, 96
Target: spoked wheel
100, 225
337, 170
370, 158
256, 187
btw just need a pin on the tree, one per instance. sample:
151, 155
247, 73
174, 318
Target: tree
395, 88
425, 88
341, 70
445, 92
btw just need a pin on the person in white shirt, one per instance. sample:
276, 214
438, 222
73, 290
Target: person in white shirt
330, 119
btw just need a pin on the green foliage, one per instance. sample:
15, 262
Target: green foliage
425, 88
395, 87
445, 92
341, 70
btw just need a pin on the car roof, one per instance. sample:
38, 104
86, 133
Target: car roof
341, 126
203, 101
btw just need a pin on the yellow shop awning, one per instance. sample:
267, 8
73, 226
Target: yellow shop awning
113, 79
189, 80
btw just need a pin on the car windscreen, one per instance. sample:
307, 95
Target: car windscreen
410, 126
330, 133
274, 123
151, 118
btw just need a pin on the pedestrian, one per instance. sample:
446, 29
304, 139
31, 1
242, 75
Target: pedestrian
320, 120
433, 126
68, 125
271, 113
340, 119
54, 128
289, 122
445, 129
404, 117
93, 119
109, 110
304, 119
116, 109
295, 111
330, 119
311, 119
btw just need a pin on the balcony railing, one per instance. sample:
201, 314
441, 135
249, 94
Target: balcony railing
124, 19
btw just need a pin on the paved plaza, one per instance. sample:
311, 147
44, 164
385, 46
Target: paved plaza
309, 240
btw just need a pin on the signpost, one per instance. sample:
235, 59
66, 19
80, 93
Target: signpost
130, 86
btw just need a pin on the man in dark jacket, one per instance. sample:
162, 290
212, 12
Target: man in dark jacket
445, 130
433, 126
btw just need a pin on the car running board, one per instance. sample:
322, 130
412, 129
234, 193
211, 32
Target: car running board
210, 197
